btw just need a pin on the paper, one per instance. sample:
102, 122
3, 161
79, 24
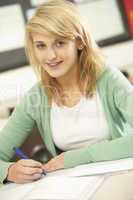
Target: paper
14, 191
100, 168
65, 188
53, 188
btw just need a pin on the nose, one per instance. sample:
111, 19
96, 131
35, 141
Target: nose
51, 54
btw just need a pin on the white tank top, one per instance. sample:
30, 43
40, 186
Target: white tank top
80, 125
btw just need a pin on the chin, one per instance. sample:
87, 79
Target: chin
57, 75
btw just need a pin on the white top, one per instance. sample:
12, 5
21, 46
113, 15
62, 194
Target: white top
80, 125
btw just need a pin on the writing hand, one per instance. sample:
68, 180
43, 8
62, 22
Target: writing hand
25, 171
54, 164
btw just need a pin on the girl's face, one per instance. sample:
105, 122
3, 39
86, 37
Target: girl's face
58, 56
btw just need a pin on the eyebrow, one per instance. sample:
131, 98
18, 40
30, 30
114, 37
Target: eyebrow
38, 41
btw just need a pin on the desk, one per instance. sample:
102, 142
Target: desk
116, 187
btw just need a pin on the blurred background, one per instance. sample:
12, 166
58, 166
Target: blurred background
111, 22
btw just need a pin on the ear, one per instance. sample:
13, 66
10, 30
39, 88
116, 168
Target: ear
79, 43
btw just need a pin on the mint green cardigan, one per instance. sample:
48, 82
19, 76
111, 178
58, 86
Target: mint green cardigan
116, 95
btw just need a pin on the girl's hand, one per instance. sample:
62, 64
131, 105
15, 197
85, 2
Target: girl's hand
25, 171
54, 164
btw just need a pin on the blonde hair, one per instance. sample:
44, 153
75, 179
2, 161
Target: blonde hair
62, 18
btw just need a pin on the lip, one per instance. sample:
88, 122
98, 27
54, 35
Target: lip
54, 64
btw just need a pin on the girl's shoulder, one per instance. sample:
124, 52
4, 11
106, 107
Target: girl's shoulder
112, 77
110, 73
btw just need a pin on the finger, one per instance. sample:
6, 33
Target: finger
30, 163
23, 178
31, 170
33, 177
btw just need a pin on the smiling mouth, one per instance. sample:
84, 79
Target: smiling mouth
53, 65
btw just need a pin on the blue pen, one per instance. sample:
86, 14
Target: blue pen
20, 154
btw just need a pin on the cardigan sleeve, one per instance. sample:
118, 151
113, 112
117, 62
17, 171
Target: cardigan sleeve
14, 134
103, 151
123, 97
117, 148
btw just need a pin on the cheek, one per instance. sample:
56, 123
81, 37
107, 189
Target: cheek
72, 56
39, 55
69, 53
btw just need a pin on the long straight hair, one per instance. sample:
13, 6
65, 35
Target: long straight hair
62, 18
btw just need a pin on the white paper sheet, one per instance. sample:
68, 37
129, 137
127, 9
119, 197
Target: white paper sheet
100, 168
14, 191
65, 188
53, 188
